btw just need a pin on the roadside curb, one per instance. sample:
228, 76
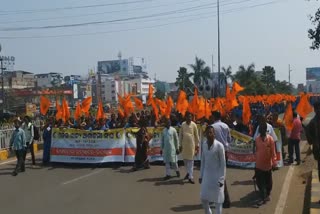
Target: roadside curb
5, 154
315, 193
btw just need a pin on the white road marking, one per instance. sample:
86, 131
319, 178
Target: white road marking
82, 177
284, 191
285, 188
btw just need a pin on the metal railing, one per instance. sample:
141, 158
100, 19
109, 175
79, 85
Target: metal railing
5, 135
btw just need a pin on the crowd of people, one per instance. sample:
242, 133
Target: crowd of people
214, 151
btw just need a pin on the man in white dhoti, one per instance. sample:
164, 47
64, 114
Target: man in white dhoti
212, 173
189, 139
170, 149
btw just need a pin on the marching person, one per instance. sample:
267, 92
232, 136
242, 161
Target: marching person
189, 140
141, 158
265, 162
294, 139
212, 172
313, 134
18, 145
29, 133
222, 134
170, 149
47, 131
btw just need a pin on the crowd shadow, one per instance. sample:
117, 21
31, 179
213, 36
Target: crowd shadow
187, 208
248, 201
243, 183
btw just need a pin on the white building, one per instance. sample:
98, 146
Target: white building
49, 80
135, 85
109, 90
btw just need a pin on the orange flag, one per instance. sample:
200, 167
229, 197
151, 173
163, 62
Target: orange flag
121, 113
236, 88
201, 111
246, 111
288, 117
231, 100
182, 103
138, 102
162, 106
66, 111
59, 111
77, 113
100, 112
155, 109
304, 107
127, 105
169, 107
86, 103
194, 104
150, 94
207, 109
44, 105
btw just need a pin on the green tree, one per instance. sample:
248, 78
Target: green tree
283, 87
226, 75
160, 94
314, 34
201, 72
268, 76
247, 77
183, 80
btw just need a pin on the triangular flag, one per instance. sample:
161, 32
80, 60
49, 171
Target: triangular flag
77, 113
44, 105
304, 107
86, 104
236, 88
288, 117
150, 94
138, 102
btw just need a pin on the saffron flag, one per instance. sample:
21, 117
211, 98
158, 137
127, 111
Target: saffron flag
304, 107
44, 105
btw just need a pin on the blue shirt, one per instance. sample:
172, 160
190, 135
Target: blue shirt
18, 139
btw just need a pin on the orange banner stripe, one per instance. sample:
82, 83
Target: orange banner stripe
87, 152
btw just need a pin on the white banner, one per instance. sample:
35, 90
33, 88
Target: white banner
80, 146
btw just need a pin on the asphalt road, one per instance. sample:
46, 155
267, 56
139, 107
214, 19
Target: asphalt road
76, 189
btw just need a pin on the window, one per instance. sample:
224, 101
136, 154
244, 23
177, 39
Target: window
113, 92
112, 85
113, 98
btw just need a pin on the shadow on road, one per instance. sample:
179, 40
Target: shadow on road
150, 180
248, 182
247, 201
169, 182
187, 208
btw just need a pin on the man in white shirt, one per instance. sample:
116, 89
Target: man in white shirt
222, 134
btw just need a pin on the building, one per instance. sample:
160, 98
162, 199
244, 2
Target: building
72, 79
123, 67
313, 80
301, 88
49, 80
20, 79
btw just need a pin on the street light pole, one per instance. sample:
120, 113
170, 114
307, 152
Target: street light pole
2, 81
218, 12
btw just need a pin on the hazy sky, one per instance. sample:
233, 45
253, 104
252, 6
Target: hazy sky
168, 33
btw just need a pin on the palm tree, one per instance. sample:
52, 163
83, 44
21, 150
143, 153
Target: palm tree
245, 75
201, 72
225, 75
183, 80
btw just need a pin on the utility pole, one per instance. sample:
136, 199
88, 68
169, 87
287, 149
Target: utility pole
289, 74
212, 81
2, 81
218, 10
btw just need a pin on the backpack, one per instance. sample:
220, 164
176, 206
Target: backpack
36, 135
